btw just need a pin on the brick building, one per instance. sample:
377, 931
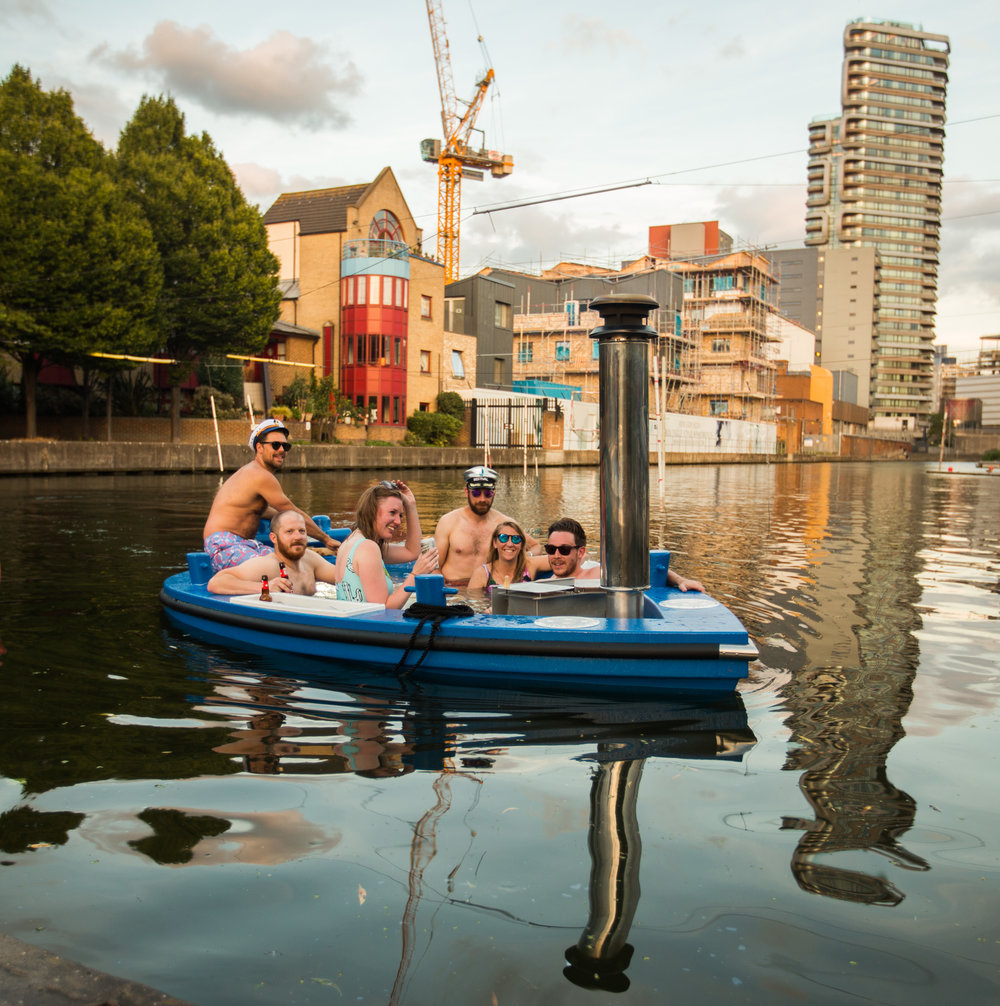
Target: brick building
352, 270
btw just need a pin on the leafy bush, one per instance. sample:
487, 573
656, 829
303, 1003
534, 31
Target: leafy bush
436, 429
132, 394
991, 456
282, 412
320, 397
225, 407
451, 404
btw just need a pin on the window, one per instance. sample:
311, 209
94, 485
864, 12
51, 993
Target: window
562, 350
397, 356
498, 370
722, 283
720, 345
385, 227
457, 364
350, 349
387, 282
525, 352
425, 361
501, 315
719, 406
454, 314
425, 307
376, 296
595, 351
362, 289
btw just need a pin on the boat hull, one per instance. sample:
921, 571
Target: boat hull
702, 649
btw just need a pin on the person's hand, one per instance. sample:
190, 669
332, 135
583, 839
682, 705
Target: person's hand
427, 563
281, 584
686, 585
332, 544
406, 492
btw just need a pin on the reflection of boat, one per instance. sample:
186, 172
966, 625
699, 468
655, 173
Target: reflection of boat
686, 641
631, 632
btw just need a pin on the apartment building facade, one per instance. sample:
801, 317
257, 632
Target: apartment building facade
875, 181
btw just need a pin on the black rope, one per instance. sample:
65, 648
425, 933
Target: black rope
435, 614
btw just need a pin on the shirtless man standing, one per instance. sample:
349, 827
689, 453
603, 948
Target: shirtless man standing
463, 536
302, 567
248, 495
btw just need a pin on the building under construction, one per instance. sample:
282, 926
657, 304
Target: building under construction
727, 303
711, 356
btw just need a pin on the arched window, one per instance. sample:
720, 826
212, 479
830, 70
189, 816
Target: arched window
385, 227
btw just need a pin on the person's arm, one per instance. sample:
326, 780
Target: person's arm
399, 597
245, 578
442, 535
534, 547
536, 564
478, 579
397, 551
681, 583
269, 487
325, 572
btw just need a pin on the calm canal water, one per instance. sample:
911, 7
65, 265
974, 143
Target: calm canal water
233, 829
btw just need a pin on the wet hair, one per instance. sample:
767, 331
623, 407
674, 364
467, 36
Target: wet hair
367, 510
520, 563
569, 526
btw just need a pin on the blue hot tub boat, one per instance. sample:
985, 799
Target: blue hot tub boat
630, 633
549, 633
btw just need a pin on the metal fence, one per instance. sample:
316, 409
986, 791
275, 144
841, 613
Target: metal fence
506, 424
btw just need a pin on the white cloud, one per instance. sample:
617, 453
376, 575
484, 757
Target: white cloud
286, 78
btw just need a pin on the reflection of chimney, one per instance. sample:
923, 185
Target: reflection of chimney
601, 955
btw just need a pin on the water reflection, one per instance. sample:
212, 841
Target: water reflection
847, 724
846, 715
599, 959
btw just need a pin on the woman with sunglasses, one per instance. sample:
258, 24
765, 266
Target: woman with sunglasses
507, 560
362, 558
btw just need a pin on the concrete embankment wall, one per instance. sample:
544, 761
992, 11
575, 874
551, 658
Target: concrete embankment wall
60, 457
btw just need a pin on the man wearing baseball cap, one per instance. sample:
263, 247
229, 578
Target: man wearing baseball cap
463, 536
248, 495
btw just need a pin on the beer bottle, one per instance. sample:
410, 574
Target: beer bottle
265, 590
281, 568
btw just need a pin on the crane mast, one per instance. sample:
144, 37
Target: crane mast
454, 155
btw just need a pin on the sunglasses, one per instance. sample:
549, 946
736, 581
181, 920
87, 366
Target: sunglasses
278, 445
504, 538
561, 549
488, 493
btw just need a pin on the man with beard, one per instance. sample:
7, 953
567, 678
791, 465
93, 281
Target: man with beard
249, 494
302, 566
463, 536
567, 547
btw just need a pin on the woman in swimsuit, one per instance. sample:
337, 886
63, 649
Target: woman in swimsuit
361, 559
507, 560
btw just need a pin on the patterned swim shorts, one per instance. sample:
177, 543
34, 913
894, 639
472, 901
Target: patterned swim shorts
226, 549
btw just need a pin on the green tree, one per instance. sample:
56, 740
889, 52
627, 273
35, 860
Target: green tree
220, 293
78, 269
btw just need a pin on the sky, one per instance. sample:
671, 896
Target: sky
708, 103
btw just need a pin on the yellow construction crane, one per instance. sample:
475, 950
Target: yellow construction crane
455, 157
